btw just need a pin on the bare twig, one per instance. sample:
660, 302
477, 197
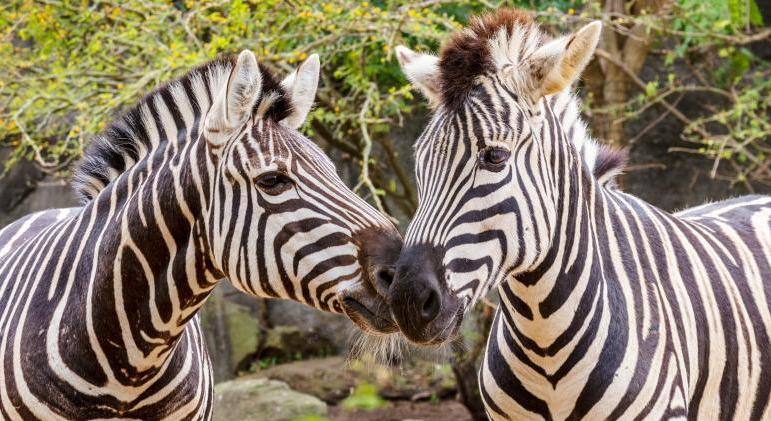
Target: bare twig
364, 178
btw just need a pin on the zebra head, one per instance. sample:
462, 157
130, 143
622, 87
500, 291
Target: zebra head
487, 197
280, 222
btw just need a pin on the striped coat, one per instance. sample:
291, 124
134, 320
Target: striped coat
609, 307
205, 178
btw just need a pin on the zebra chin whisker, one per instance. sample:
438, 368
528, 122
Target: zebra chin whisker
382, 349
392, 350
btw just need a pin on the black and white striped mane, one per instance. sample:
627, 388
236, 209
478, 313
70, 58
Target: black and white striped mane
126, 141
467, 56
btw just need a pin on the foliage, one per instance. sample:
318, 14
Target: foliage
364, 396
699, 48
710, 39
738, 132
67, 65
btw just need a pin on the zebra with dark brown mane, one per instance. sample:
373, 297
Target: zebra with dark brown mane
609, 307
205, 178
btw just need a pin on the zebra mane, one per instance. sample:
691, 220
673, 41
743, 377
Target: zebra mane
510, 34
127, 139
606, 162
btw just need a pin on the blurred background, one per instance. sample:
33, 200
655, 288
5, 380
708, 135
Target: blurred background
685, 85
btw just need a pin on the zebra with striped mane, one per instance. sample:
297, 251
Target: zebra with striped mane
205, 178
609, 307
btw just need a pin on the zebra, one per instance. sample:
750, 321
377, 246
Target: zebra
609, 307
205, 178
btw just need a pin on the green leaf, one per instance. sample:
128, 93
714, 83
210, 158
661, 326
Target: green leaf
651, 88
364, 396
756, 18
736, 7
744, 12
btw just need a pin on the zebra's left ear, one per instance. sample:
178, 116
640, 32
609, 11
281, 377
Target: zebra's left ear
234, 102
422, 70
558, 63
301, 87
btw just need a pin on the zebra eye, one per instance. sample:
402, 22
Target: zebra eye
274, 182
494, 156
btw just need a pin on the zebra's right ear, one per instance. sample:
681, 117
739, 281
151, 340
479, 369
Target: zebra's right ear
234, 103
301, 87
558, 63
422, 70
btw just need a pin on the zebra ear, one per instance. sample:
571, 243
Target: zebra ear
558, 63
301, 87
422, 70
235, 101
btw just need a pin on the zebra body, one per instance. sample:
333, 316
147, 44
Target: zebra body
636, 313
206, 178
609, 307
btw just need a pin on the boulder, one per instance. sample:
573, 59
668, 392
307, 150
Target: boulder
446, 410
327, 378
25, 189
330, 327
259, 399
231, 328
287, 343
243, 332
332, 379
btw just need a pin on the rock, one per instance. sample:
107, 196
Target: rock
414, 379
332, 328
233, 323
25, 189
231, 329
446, 410
287, 343
333, 378
257, 399
327, 378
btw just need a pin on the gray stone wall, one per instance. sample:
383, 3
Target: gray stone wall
25, 189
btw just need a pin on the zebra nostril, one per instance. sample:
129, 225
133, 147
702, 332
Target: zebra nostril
384, 277
430, 307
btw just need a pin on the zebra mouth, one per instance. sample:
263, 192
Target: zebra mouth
450, 332
367, 319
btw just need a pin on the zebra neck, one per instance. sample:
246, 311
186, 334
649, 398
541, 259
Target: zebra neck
156, 269
553, 311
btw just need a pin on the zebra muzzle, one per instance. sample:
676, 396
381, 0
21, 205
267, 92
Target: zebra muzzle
423, 306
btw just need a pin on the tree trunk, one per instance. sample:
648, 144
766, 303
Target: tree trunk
609, 80
466, 364
466, 376
616, 94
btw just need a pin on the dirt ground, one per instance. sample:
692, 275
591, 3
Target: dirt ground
446, 410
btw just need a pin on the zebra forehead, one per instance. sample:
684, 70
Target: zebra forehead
275, 142
450, 129
489, 42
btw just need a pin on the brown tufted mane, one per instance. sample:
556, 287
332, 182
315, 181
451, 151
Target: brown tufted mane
466, 56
